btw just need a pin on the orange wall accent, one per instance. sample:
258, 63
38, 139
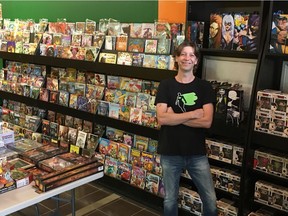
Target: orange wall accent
172, 11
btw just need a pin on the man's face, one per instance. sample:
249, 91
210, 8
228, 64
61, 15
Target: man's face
214, 28
281, 37
187, 59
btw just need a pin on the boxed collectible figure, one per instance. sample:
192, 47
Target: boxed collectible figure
262, 191
237, 155
226, 153
261, 160
276, 197
276, 164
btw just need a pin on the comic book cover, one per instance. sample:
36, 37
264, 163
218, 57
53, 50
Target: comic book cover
72, 135
51, 116
152, 146
227, 31
142, 101
147, 160
87, 126
52, 84
53, 97
121, 42
124, 113
37, 137
100, 79
99, 92
103, 108
146, 86
135, 85
81, 78
162, 30
19, 47
69, 121
240, 29
124, 83
57, 39
147, 30
128, 138
151, 46
152, 103
35, 91
154, 88
149, 61
135, 115
136, 30
141, 142
76, 39
91, 53
86, 40
124, 171
73, 101
109, 58
78, 123
71, 75
82, 104
60, 118
124, 58
138, 177
162, 62
164, 46
111, 166
152, 182
63, 137
113, 82
113, 110
125, 28
110, 42
47, 38
80, 27
149, 119
91, 91
113, 149
45, 139
66, 39
136, 45
54, 128
50, 50
137, 59
135, 157
44, 94
71, 87
114, 134
45, 127
63, 98
157, 168
92, 141
63, 85
103, 145
81, 139
124, 152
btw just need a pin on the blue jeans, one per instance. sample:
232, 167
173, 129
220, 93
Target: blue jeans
199, 169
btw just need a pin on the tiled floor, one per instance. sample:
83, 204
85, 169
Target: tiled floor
92, 199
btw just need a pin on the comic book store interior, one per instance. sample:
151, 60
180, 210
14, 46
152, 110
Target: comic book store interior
88, 128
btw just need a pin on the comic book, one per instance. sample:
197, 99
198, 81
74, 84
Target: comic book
135, 115
135, 85
63, 137
66, 39
147, 160
91, 91
162, 30
80, 89
51, 116
136, 30
72, 135
81, 139
82, 103
121, 42
135, 157
124, 171
154, 88
114, 134
69, 121
137, 59
149, 61
54, 127
86, 40
57, 39
124, 152
92, 53
35, 91
125, 28
100, 79
113, 149
60, 118
45, 127
141, 143
73, 101
157, 168
76, 39
142, 101
138, 177
52, 84
80, 27
87, 126
99, 92
124, 58
124, 113
130, 99
164, 46
109, 58
152, 103
147, 30
71, 87
136, 45
113, 82
149, 119
53, 97
111, 166
152, 182
110, 42
63, 98
78, 123
92, 144
103, 108
98, 39
152, 146
114, 110
150, 46
162, 62
103, 145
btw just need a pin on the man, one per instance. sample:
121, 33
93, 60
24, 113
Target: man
184, 106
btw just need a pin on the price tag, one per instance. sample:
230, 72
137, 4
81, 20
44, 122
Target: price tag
75, 149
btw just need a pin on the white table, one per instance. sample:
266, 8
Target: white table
26, 196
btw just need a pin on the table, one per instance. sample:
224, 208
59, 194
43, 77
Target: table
26, 196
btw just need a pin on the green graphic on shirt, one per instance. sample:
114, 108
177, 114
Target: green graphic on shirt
188, 99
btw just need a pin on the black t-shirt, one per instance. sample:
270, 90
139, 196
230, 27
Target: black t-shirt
181, 139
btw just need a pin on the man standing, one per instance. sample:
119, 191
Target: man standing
184, 107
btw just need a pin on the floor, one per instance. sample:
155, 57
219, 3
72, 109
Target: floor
92, 199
